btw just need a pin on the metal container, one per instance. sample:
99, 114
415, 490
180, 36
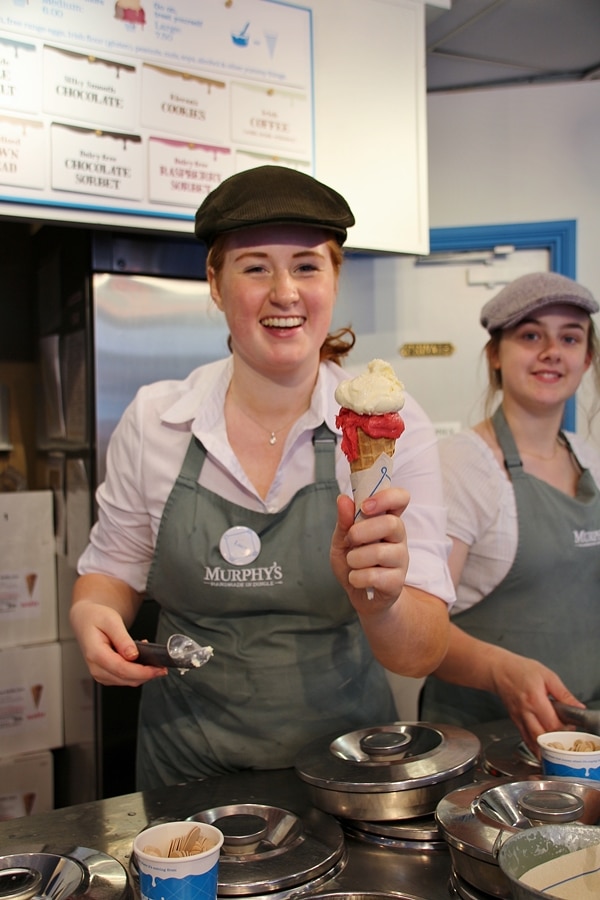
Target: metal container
79, 872
388, 772
412, 834
269, 849
522, 852
510, 758
477, 819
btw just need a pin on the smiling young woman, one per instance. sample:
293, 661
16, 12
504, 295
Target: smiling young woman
524, 519
228, 500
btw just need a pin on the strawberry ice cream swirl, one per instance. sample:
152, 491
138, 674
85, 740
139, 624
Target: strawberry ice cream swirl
384, 425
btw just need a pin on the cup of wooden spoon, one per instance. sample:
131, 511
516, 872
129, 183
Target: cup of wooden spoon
178, 861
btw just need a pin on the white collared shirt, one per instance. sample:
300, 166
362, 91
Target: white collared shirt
147, 448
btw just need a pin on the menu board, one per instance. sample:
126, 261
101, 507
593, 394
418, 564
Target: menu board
136, 109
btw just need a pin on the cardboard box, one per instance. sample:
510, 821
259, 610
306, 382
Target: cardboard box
31, 716
26, 785
28, 604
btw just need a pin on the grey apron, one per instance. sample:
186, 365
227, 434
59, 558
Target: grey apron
548, 605
291, 661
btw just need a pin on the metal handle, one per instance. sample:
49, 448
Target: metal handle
153, 654
589, 719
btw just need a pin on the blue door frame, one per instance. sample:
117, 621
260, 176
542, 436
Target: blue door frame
559, 238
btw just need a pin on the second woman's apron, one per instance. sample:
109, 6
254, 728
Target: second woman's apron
548, 605
291, 662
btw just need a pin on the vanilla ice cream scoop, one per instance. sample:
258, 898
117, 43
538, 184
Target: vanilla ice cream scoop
376, 391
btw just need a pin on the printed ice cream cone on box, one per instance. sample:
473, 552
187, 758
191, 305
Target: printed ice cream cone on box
371, 424
36, 694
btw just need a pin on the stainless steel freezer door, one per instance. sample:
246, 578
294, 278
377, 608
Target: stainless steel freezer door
147, 329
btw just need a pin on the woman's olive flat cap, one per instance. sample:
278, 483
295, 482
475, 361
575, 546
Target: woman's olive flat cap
525, 295
272, 195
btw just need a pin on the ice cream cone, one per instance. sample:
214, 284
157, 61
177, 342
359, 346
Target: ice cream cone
370, 449
36, 694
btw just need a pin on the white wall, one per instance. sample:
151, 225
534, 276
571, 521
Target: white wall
521, 154
518, 155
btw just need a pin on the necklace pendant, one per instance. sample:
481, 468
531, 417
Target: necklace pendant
273, 438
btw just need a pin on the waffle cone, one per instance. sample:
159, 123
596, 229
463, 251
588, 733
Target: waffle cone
370, 449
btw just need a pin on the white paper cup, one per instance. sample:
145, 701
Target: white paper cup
177, 878
569, 763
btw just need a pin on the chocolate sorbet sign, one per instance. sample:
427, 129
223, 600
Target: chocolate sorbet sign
140, 108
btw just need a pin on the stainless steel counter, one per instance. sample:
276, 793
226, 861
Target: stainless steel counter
109, 826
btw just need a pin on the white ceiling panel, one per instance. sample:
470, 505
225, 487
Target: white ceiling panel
495, 43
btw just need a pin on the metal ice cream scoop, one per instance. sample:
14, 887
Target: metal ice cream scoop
587, 719
180, 652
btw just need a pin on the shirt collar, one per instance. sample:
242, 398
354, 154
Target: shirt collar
204, 396
205, 389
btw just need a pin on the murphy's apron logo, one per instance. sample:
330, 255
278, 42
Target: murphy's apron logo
586, 538
249, 577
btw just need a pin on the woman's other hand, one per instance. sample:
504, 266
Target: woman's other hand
525, 685
101, 606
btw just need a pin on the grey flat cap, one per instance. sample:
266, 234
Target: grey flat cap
531, 292
272, 195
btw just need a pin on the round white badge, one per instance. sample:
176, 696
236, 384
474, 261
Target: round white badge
239, 545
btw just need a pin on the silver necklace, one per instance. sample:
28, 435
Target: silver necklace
272, 434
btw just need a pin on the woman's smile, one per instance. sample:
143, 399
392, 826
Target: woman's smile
283, 322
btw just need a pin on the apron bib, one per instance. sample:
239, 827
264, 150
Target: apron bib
548, 605
291, 661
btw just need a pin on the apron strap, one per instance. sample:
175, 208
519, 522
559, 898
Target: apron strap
512, 460
193, 462
324, 441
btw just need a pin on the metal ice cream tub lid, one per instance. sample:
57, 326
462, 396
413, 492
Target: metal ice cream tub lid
393, 757
476, 819
393, 771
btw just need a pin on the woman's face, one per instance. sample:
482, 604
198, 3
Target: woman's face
277, 288
543, 359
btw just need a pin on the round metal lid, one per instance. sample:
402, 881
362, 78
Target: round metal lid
551, 806
424, 828
17, 883
511, 758
414, 834
393, 757
79, 873
267, 849
477, 818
